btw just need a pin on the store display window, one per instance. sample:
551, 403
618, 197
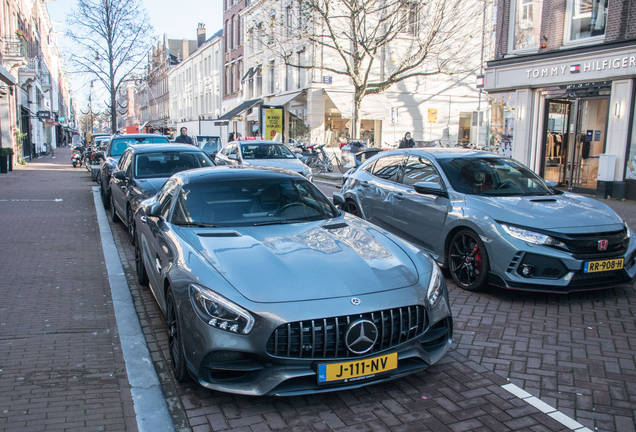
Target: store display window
502, 122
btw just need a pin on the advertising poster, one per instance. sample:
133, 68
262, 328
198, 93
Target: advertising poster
272, 122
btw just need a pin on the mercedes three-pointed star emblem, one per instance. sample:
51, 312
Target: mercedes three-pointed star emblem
361, 336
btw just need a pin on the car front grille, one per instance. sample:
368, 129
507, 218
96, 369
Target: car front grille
546, 267
587, 244
608, 278
325, 338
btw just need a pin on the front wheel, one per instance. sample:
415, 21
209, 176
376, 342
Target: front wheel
142, 276
468, 260
175, 343
351, 207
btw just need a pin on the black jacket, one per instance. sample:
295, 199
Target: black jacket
184, 139
407, 143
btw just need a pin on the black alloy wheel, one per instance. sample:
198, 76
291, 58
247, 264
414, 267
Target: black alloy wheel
351, 207
113, 212
468, 260
142, 276
130, 219
175, 343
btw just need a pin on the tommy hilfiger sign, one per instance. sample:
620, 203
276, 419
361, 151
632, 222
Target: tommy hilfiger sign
576, 68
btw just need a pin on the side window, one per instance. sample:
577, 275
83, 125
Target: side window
127, 163
235, 150
369, 168
419, 169
122, 161
170, 185
388, 168
166, 202
226, 150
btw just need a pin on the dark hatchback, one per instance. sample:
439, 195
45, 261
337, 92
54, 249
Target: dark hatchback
110, 158
143, 170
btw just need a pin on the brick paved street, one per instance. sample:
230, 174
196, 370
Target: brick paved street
61, 366
576, 353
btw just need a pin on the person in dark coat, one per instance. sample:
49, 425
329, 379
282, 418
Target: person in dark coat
184, 138
407, 141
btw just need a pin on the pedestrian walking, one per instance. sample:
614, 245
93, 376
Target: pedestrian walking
183, 137
407, 141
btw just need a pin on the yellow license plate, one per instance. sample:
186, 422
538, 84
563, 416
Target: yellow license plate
604, 265
356, 370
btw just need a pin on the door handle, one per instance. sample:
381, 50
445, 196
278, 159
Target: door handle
157, 265
398, 196
364, 183
143, 219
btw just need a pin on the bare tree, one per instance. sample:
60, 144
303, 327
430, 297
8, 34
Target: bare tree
378, 43
111, 39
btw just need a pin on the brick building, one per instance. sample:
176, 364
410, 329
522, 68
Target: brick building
562, 91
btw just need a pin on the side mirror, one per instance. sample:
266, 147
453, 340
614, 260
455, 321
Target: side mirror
430, 188
233, 157
552, 183
119, 175
338, 199
154, 210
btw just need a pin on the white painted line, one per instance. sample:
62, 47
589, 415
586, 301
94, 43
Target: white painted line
565, 420
545, 408
149, 403
540, 405
517, 391
32, 200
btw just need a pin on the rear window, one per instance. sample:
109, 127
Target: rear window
164, 164
119, 146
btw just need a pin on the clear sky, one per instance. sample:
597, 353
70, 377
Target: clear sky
177, 18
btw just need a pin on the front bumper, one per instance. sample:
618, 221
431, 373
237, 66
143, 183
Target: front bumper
560, 271
245, 364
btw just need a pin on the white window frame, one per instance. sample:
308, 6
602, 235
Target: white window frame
567, 32
511, 32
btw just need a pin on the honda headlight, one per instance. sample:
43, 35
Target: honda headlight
530, 236
219, 312
434, 286
629, 232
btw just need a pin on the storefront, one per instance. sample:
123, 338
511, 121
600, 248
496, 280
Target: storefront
559, 112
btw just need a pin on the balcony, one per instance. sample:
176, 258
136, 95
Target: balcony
14, 51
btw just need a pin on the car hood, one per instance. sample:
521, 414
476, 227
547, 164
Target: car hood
152, 185
565, 213
290, 164
296, 262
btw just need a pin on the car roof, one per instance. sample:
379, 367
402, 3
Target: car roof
255, 142
443, 153
139, 136
151, 148
234, 172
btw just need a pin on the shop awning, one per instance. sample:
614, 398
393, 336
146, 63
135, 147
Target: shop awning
6, 77
283, 99
248, 74
374, 106
239, 109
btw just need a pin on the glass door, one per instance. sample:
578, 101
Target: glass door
555, 147
591, 129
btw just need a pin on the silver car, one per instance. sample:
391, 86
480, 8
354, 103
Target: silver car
268, 289
256, 152
492, 220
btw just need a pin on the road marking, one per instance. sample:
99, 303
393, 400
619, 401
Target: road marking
545, 408
35, 200
149, 403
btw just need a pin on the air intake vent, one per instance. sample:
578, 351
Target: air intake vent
335, 225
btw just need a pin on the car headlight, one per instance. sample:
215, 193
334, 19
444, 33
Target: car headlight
434, 285
219, 312
629, 232
531, 236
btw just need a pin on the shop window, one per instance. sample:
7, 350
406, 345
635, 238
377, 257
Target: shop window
502, 122
259, 82
526, 25
587, 18
272, 75
630, 170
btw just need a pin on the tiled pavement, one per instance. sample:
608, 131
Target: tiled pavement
575, 352
61, 366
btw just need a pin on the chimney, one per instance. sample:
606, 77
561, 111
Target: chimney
200, 34
185, 49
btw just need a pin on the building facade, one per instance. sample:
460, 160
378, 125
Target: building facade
195, 86
36, 106
563, 91
233, 62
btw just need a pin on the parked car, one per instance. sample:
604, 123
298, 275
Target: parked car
142, 171
268, 289
110, 158
492, 220
209, 144
261, 153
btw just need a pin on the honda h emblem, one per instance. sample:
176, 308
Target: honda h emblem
602, 245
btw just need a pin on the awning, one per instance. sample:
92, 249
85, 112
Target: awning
374, 106
6, 77
283, 99
239, 109
248, 74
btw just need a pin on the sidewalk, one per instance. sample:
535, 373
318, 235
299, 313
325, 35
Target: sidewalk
61, 363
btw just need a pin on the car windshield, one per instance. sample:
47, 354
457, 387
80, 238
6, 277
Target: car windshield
209, 144
120, 145
266, 151
164, 164
493, 177
248, 202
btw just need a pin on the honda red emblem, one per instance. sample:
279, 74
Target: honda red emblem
602, 245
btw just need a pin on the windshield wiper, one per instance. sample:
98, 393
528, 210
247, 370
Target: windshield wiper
280, 222
199, 225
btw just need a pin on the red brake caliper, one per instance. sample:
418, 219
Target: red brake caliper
477, 253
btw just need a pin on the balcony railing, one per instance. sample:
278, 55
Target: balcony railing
14, 47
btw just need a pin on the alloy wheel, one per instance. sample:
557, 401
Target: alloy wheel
352, 208
175, 343
468, 261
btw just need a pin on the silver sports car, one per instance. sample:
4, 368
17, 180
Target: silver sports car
492, 220
268, 289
